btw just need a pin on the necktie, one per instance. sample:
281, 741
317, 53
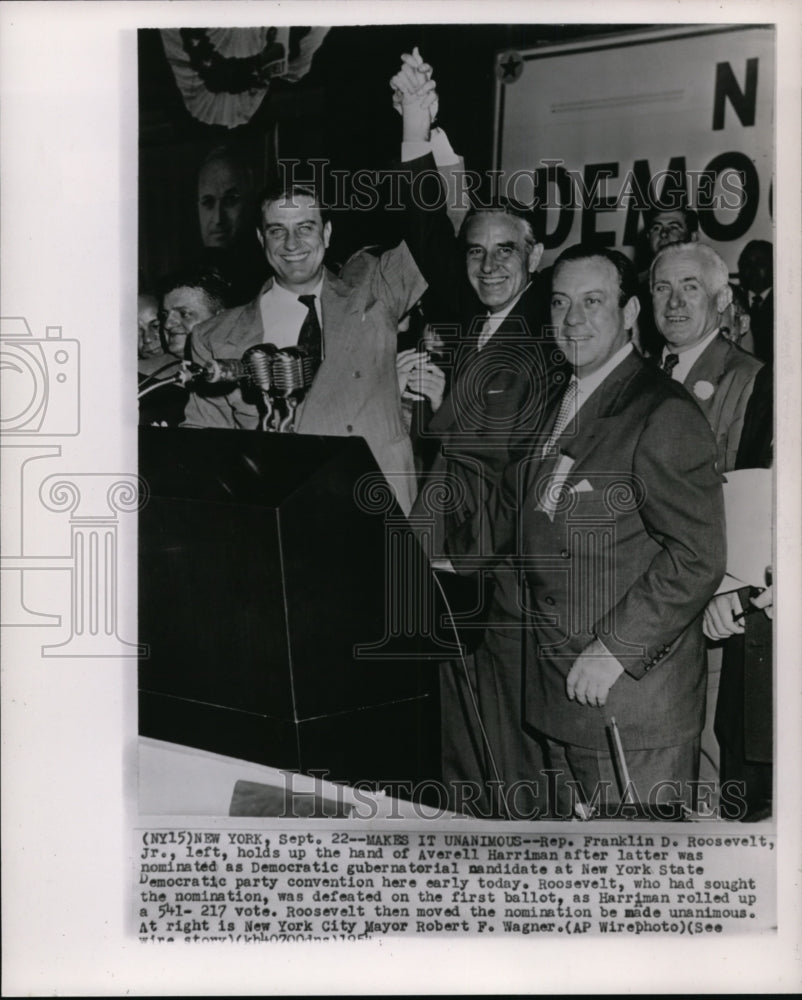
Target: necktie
670, 362
310, 337
485, 335
564, 415
754, 309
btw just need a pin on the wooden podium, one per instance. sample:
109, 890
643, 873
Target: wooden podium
274, 573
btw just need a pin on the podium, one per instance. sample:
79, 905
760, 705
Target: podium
266, 605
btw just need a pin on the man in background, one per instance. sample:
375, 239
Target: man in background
187, 299
756, 276
663, 227
690, 291
227, 218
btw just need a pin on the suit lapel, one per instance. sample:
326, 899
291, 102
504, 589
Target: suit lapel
599, 412
342, 330
711, 363
247, 329
522, 323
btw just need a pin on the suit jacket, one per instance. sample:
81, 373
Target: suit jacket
356, 387
634, 551
762, 327
730, 374
498, 395
745, 708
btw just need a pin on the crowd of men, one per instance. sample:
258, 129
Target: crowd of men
583, 424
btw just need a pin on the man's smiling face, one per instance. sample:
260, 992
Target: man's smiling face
686, 308
499, 258
591, 324
295, 239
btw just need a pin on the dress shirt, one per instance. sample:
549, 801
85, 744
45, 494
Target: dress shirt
687, 359
283, 315
494, 320
590, 383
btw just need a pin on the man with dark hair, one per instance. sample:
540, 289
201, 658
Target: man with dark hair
504, 369
187, 299
665, 226
756, 276
352, 327
622, 525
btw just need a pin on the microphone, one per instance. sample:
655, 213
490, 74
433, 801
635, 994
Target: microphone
280, 373
282, 376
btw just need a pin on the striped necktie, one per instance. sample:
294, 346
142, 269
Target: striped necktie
670, 362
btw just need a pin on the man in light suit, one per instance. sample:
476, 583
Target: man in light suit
690, 290
504, 367
621, 524
355, 390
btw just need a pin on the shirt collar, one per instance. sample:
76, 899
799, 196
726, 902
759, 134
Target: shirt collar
687, 359
282, 294
590, 382
497, 318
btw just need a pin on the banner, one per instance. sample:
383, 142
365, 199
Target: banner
594, 133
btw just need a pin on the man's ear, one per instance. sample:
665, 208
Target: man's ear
631, 310
533, 259
723, 298
326, 234
260, 237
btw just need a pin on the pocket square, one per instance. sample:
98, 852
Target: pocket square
583, 487
549, 488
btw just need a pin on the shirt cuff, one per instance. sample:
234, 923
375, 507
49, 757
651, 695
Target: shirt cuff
438, 145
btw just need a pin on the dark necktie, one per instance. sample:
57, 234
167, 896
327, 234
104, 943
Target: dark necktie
754, 309
670, 362
310, 337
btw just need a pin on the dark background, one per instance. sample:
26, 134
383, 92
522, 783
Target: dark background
341, 112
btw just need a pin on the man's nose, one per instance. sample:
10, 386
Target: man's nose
575, 314
291, 241
217, 212
676, 298
488, 263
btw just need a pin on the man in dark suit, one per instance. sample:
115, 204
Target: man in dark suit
690, 290
743, 619
621, 523
354, 325
756, 276
504, 367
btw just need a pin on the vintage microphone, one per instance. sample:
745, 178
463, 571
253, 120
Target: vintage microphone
282, 375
